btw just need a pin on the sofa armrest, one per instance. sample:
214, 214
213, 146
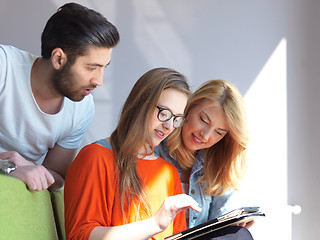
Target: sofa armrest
24, 214
57, 199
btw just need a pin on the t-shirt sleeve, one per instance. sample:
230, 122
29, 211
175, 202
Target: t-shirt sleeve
89, 191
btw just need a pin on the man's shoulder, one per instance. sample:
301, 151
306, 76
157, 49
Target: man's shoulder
13, 53
12, 50
7, 47
15, 65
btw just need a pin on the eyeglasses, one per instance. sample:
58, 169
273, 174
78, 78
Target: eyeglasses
165, 115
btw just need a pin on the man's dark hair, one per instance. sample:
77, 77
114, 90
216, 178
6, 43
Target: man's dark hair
74, 28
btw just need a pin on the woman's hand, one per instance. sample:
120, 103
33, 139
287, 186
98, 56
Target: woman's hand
247, 225
145, 229
171, 207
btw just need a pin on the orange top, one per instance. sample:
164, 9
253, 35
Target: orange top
91, 199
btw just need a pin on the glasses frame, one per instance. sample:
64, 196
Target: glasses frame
172, 116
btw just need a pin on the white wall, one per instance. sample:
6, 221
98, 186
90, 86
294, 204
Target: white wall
209, 39
304, 116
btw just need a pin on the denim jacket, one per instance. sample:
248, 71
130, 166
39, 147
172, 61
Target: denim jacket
212, 206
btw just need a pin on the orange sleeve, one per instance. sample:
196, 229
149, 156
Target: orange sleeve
179, 223
162, 180
89, 191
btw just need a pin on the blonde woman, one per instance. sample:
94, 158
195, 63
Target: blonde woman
117, 188
209, 151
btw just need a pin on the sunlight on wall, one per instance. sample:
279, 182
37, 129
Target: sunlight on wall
265, 184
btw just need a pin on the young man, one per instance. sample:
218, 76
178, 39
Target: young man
46, 105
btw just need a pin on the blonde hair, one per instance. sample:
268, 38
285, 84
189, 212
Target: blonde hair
226, 161
132, 132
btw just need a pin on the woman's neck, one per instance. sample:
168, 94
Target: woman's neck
194, 152
146, 153
147, 157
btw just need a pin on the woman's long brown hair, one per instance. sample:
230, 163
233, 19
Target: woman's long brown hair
132, 132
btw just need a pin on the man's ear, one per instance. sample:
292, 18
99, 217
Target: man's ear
58, 58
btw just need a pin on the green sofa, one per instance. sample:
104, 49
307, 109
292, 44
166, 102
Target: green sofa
28, 215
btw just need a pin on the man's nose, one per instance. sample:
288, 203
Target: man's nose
98, 79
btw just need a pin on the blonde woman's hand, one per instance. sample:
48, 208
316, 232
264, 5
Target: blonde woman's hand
247, 225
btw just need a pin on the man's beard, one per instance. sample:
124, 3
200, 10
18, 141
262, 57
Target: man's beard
63, 83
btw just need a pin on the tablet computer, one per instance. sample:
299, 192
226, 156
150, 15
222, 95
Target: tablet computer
234, 217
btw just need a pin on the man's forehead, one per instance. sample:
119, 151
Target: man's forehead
96, 56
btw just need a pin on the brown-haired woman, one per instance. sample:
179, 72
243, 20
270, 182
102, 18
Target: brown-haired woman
117, 188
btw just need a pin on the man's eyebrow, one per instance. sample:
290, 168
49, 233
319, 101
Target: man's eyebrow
98, 65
